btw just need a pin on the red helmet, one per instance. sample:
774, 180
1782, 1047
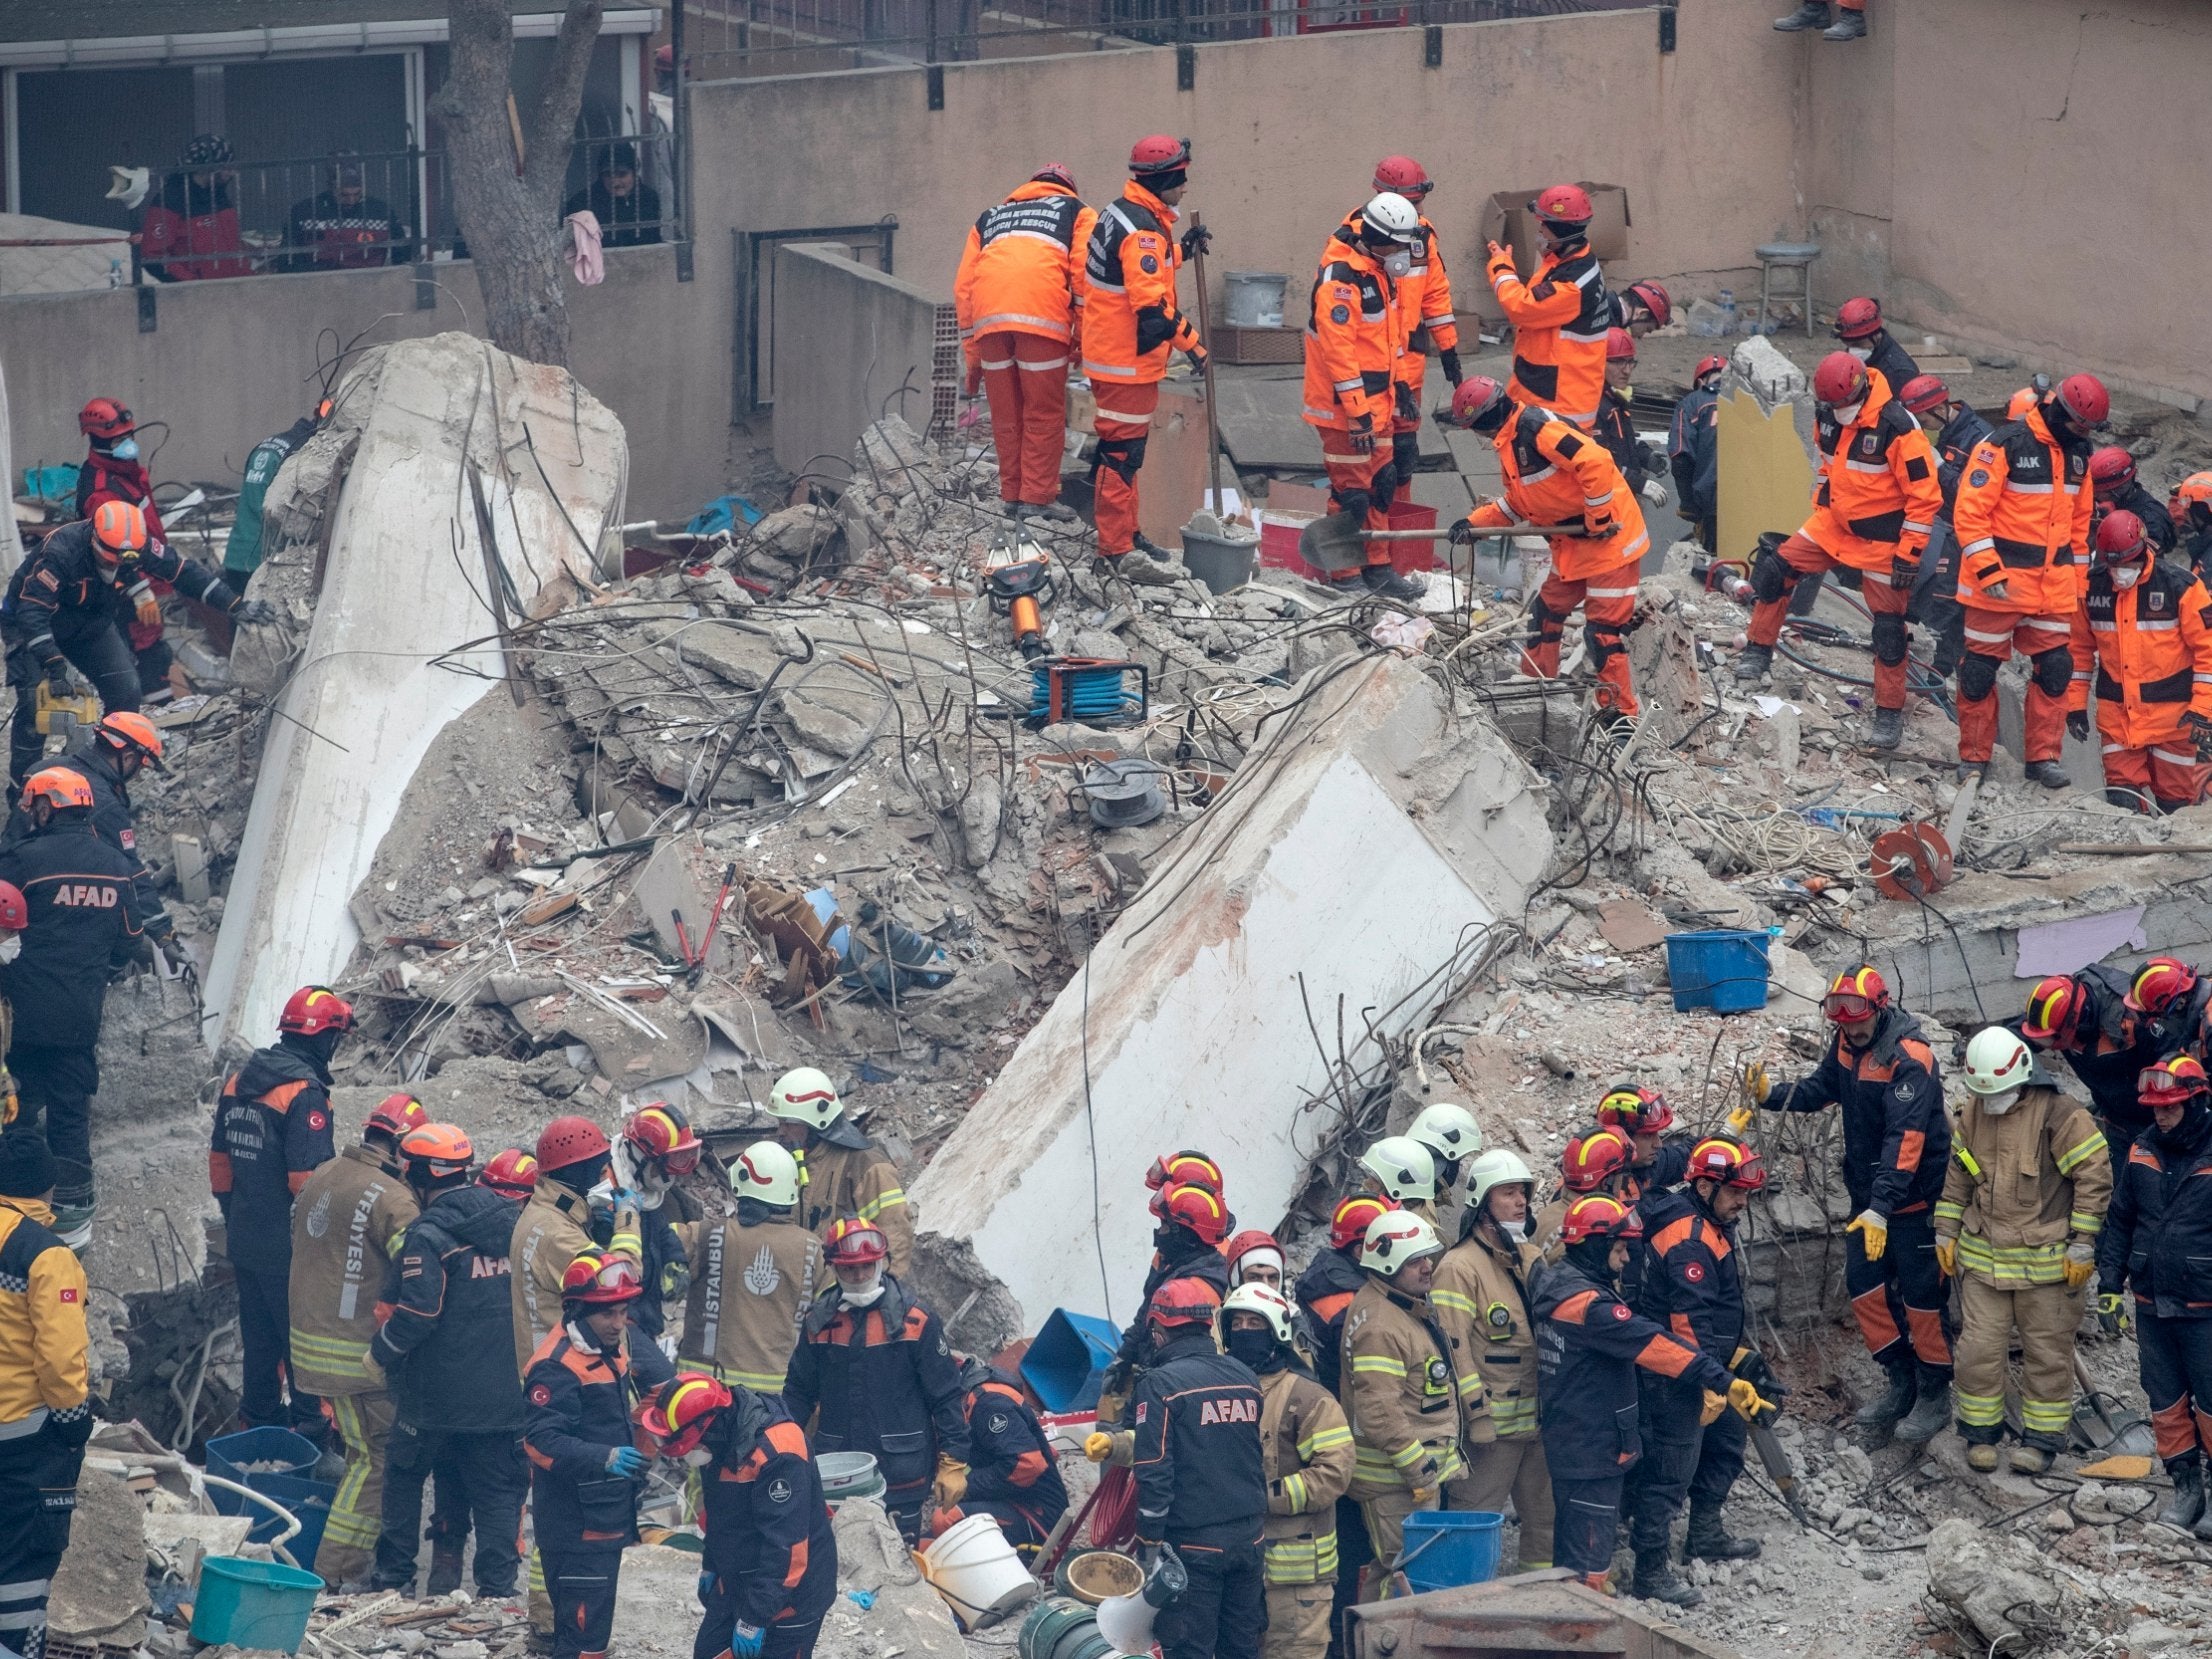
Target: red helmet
1707, 366
511, 1173
2111, 468
1592, 1160
58, 786
2084, 399
1855, 993
15, 915
395, 1115
661, 1133
1600, 1217
1159, 154
1635, 1111
2174, 1081
1405, 176
1859, 319
437, 1150
118, 527
569, 1140
1654, 299
314, 1009
1348, 1226
103, 417
2054, 1008
1564, 204
597, 1280
1192, 1168
1924, 392
1054, 172
2160, 983
1475, 398
1201, 1211
1840, 378
1184, 1302
854, 1243
2121, 538
1620, 346
679, 1418
1722, 1160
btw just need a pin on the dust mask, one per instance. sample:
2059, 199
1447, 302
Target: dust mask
125, 450
861, 1298
1998, 1104
698, 1457
1846, 413
1862, 353
11, 947
1516, 1232
2123, 578
1397, 262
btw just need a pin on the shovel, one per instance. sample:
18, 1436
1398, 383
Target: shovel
1333, 541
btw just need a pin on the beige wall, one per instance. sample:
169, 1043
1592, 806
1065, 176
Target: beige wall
847, 339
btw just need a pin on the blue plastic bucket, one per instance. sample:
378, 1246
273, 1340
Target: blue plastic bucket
1067, 1363
1724, 969
229, 1454
309, 1500
1447, 1548
253, 1604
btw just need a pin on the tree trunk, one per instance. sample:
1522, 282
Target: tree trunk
509, 209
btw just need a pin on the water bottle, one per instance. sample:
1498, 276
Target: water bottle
1727, 311
115, 273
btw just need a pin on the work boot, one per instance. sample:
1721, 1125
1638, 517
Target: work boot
1850, 26
1888, 729
1658, 1581
1886, 1408
1710, 1539
1752, 663
1813, 14
1973, 771
2049, 774
2186, 1509
2029, 1458
1981, 1457
1386, 583
445, 1569
1930, 1414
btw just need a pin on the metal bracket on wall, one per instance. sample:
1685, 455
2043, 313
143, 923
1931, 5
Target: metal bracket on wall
1666, 29
1186, 68
1432, 46
426, 287
683, 260
936, 86
148, 322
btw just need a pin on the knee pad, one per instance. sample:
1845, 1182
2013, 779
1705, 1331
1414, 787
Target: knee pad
1771, 576
1604, 640
1122, 456
1358, 503
1889, 641
1977, 676
2053, 670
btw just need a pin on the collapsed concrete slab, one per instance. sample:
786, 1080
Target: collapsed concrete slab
401, 636
1360, 851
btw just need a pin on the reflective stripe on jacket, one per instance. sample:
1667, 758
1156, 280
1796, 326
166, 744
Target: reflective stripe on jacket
2148, 651
2021, 1185
1355, 338
347, 1224
1130, 320
42, 1332
1480, 1300
1560, 318
1306, 1447
1556, 474
1876, 495
1022, 270
750, 1287
1402, 1395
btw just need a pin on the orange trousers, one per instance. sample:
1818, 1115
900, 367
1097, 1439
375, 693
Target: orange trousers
2167, 773
1773, 580
1025, 380
1991, 639
1125, 413
1352, 483
1607, 604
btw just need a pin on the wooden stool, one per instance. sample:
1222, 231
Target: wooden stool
1787, 256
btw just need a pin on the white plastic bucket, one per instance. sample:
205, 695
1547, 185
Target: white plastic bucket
1254, 299
1126, 1621
976, 1570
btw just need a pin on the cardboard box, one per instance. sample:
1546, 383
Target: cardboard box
1507, 220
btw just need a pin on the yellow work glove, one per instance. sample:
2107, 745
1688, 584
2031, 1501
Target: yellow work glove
1947, 1256
1757, 1084
1098, 1446
1873, 1231
2081, 1263
145, 606
1745, 1398
952, 1482
1715, 1404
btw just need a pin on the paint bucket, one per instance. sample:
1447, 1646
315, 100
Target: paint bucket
1057, 1628
848, 1475
1096, 1575
1067, 1363
253, 1604
1724, 969
1221, 562
1254, 299
1445, 1549
976, 1570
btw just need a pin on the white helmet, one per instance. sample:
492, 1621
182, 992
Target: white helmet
806, 1096
1449, 1131
1264, 1300
1997, 1060
767, 1174
1496, 1168
1389, 214
1403, 1166
1394, 1238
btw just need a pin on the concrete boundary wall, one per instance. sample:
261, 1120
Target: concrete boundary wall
848, 339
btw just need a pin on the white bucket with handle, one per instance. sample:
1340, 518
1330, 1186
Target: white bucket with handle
978, 1572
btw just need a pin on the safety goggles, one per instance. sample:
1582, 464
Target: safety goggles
1844, 1007
2160, 1087
618, 1279
682, 1161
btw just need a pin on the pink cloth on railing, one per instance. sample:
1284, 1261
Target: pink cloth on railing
588, 262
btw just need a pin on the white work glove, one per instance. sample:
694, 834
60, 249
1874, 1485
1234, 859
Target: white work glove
1654, 492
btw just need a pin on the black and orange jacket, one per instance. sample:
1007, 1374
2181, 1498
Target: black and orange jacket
768, 1538
1010, 1461
2022, 518
1876, 495
1130, 319
1896, 1136
1952, 447
271, 1132
2158, 1233
447, 1319
579, 1405
83, 919
1355, 338
65, 575
102, 478
2148, 650
879, 1380
1589, 1344
1325, 1292
1691, 1284
2111, 1046
1022, 270
1425, 302
1556, 474
1560, 318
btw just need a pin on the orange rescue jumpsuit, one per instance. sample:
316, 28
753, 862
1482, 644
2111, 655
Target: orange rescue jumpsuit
1874, 505
2148, 650
2022, 519
1019, 300
1424, 304
1557, 475
1355, 338
1130, 325
1560, 320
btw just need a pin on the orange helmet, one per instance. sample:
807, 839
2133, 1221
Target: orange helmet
1592, 1160
1598, 1216
2054, 1009
1201, 1211
597, 1280
1184, 1302
2174, 1081
395, 1115
58, 787
15, 915
2191, 502
511, 1174
118, 527
105, 417
437, 1150
569, 1140
314, 1009
661, 1133
680, 1417
1635, 1111
1856, 994
131, 733
1348, 1226
854, 1244
2158, 984
1732, 1165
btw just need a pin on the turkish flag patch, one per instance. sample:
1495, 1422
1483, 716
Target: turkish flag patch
318, 1120
1695, 1273
69, 1294
1620, 1310
541, 1395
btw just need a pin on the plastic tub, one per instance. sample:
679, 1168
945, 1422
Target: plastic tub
1067, 1363
1254, 299
253, 1604
977, 1571
1221, 562
1411, 555
845, 1473
1449, 1548
1724, 969
309, 1500
1095, 1575
229, 1455
1279, 532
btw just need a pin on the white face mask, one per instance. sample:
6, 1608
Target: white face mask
1397, 262
698, 1457
11, 947
601, 1196
1997, 1105
2123, 578
1846, 413
1516, 1232
861, 1298
1862, 353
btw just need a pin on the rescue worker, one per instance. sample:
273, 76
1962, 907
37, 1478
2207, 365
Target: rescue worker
1561, 315
113, 470
1254, 1258
242, 548
872, 1360
347, 1224
2142, 636
45, 1398
1896, 1143
1326, 1289
1814, 14
1874, 507
1019, 298
1424, 300
2175, 1002
1356, 331
512, 1174
1201, 1479
1589, 1346
1560, 479
2023, 526
271, 1132
752, 1276
656, 1149
344, 228
1192, 1223
1401, 1171
1642, 306
583, 1391
1616, 423
1859, 326
2024, 1198
2158, 1240
843, 1176
59, 612
2116, 489
1410, 1405
557, 1226
2190, 508
80, 918
1013, 1468
1481, 1302
1691, 1286
451, 1306
1452, 1136
1130, 325
118, 749
1306, 1454
769, 1558
1642, 1117
1596, 1162
1693, 452
15, 916
2084, 1018
1954, 427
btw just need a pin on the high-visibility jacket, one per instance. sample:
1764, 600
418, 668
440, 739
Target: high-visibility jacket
2021, 1185
1480, 1299
1896, 1137
751, 1283
1355, 338
580, 1402
1306, 1449
1130, 320
2148, 650
1555, 474
1022, 270
879, 1379
1877, 493
552, 1231
844, 1177
42, 1334
1560, 318
1404, 1397
2022, 518
347, 1224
